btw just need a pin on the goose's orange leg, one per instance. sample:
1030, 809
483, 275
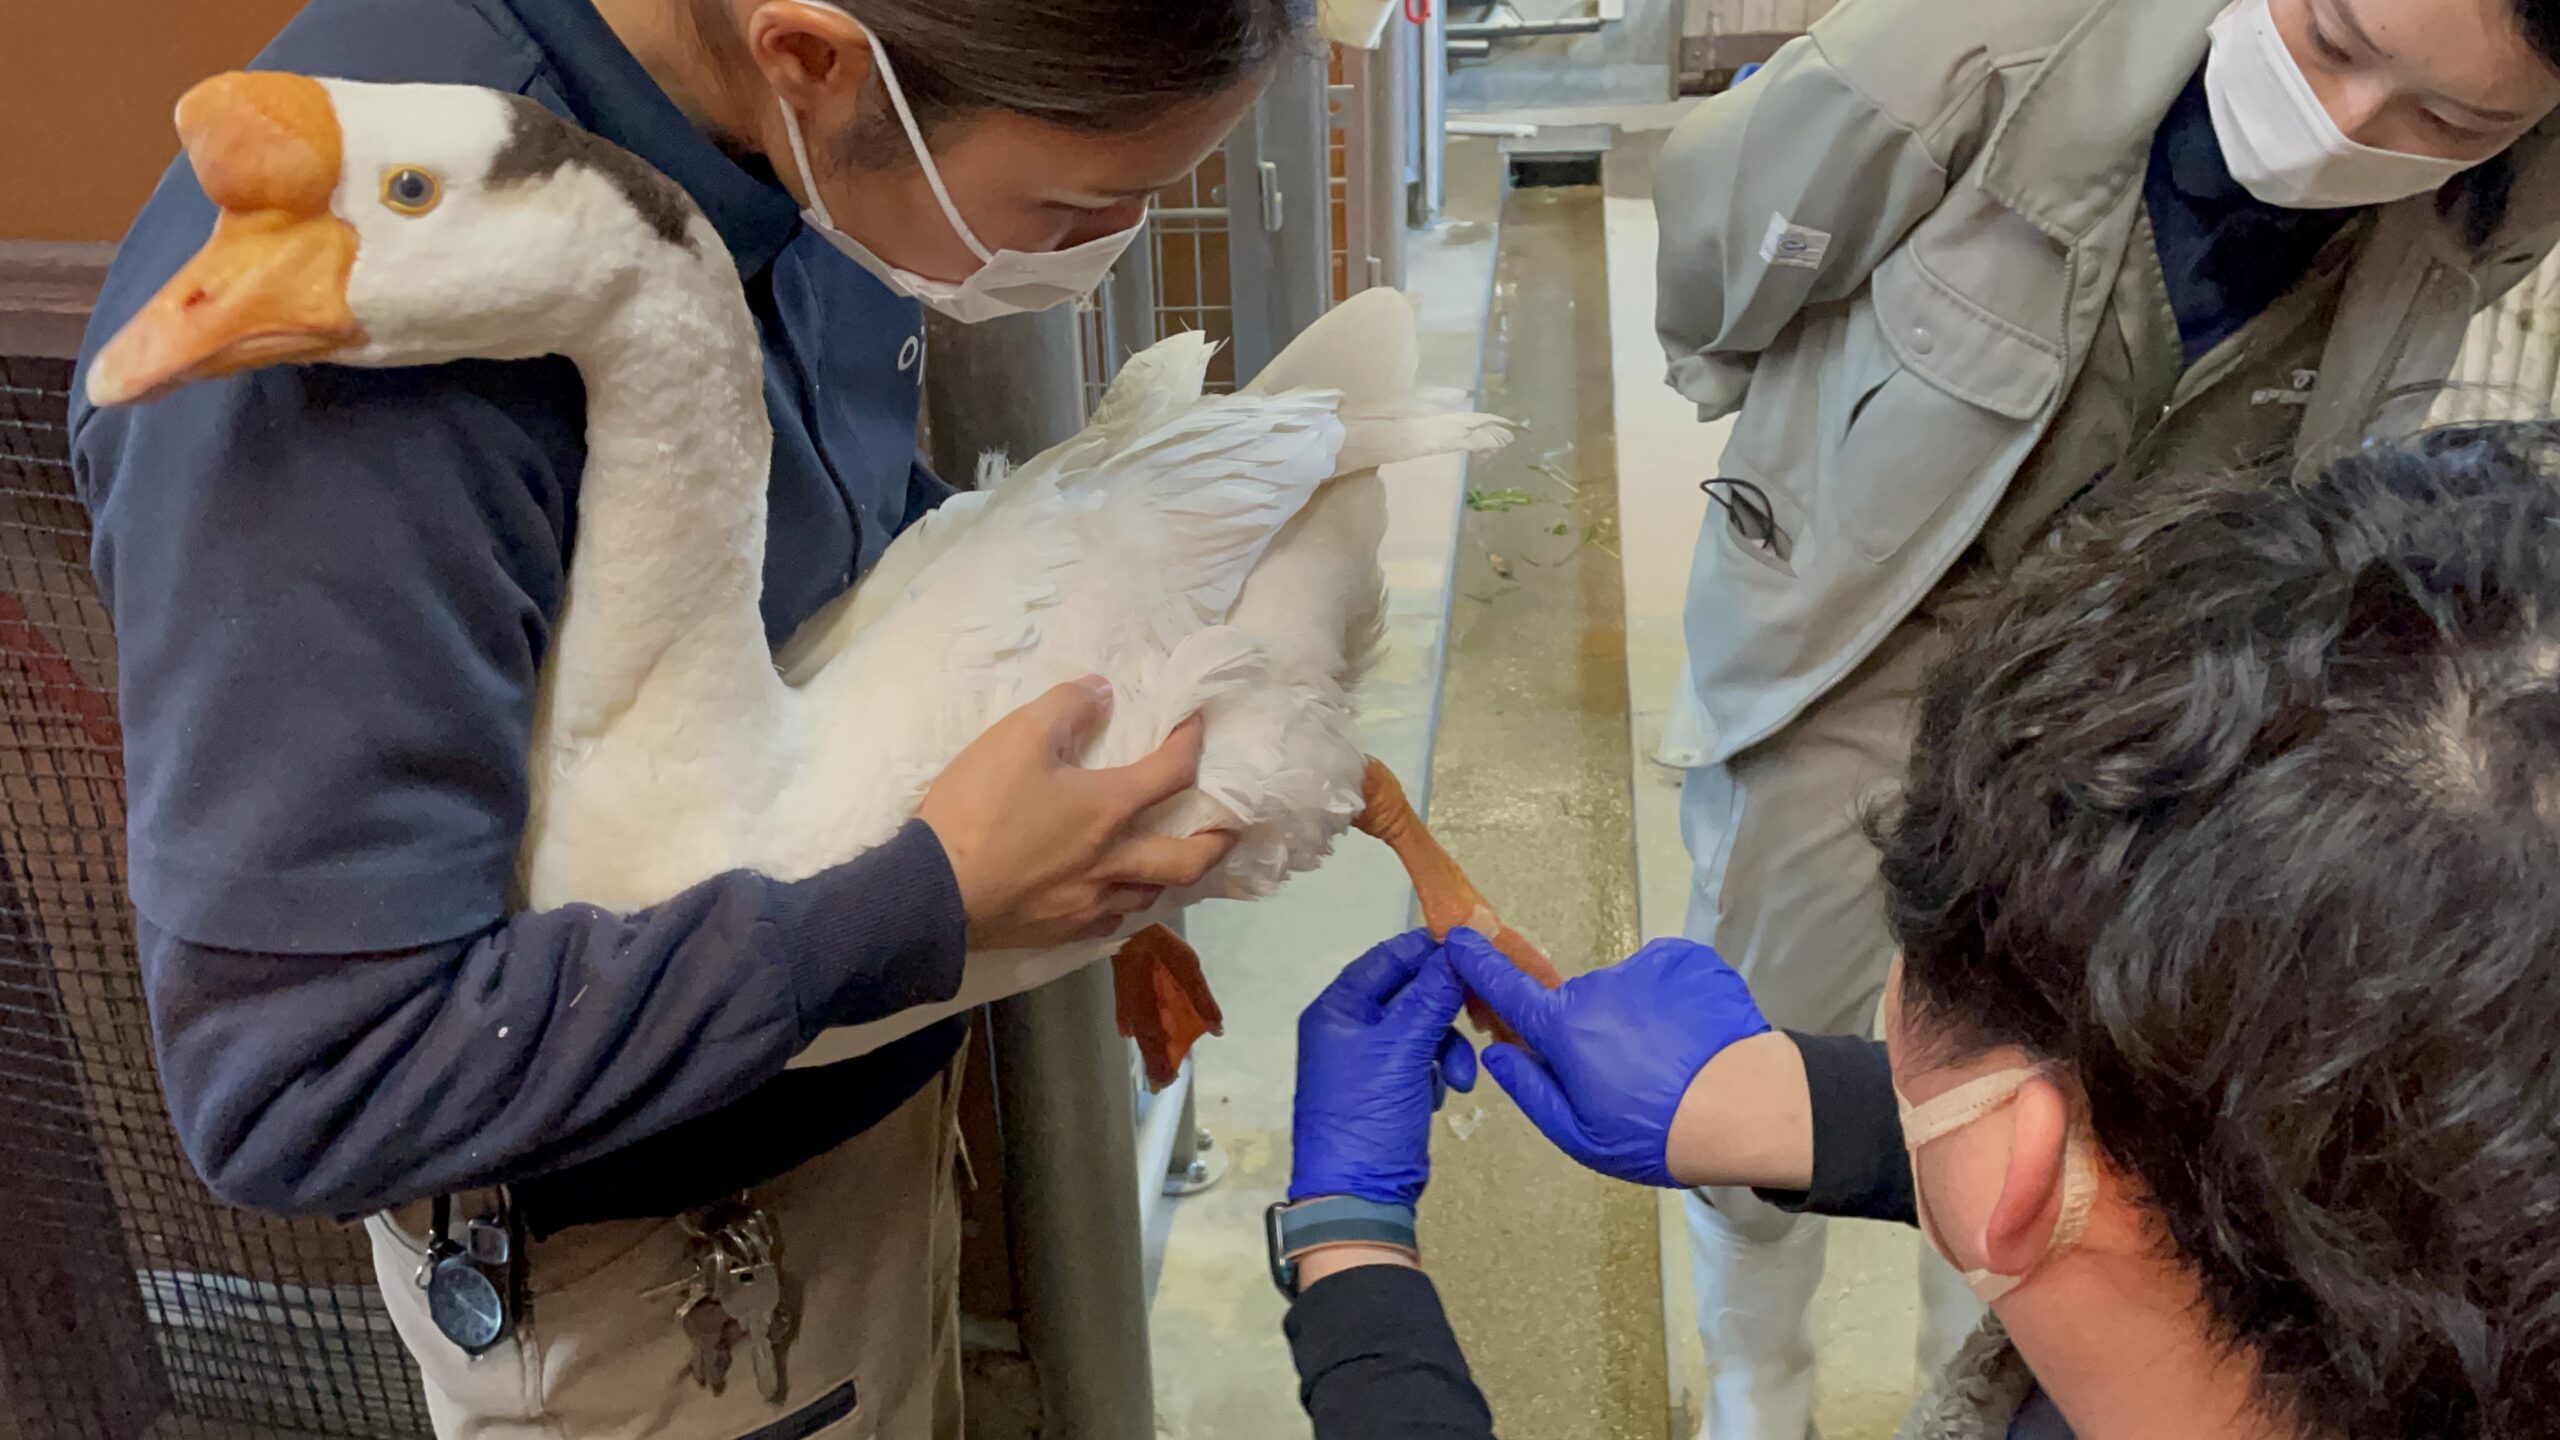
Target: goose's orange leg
1163, 1000
1449, 900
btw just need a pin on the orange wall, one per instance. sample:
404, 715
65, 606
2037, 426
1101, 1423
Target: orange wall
97, 80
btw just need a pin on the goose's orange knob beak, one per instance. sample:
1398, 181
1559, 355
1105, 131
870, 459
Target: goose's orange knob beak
270, 286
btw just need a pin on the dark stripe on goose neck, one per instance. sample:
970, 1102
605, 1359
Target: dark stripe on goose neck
541, 144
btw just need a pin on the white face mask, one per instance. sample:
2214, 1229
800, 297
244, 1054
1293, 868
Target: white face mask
2280, 140
1964, 1105
1007, 282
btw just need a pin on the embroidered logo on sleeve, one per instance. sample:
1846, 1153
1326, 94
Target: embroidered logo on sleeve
1795, 246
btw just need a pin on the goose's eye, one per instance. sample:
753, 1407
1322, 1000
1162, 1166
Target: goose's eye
411, 191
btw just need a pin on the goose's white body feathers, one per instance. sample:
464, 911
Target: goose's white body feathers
1211, 555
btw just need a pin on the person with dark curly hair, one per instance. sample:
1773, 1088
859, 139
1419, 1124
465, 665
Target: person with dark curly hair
2220, 1055
1955, 270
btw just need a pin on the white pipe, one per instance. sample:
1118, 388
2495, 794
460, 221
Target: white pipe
2464, 402
1156, 1134
2542, 340
2509, 354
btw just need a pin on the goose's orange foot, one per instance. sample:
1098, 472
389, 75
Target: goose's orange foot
1449, 899
1163, 1001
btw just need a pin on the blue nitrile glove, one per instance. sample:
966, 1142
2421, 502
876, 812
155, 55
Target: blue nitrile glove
1374, 1053
1615, 1050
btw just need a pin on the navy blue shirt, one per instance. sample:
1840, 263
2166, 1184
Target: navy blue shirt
2227, 254
333, 589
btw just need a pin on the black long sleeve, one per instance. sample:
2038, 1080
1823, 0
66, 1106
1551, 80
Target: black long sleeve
1860, 1169
1378, 1361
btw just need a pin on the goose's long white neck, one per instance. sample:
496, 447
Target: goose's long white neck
669, 550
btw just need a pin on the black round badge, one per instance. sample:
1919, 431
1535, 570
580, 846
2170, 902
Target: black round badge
465, 1304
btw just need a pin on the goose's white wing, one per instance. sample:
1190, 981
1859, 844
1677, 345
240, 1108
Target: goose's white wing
1211, 556
1155, 385
828, 632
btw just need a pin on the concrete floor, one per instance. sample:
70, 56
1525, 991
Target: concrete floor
1558, 683
1556, 1307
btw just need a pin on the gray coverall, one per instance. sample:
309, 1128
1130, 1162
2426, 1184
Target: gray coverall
1914, 254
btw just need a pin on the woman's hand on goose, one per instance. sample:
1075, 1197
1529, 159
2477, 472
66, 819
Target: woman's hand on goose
1047, 852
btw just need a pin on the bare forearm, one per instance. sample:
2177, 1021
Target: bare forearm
1809, 1121
1747, 1119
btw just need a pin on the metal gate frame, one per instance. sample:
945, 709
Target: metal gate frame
1245, 251
1280, 206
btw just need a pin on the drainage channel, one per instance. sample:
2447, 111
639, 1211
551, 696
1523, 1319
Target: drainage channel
1551, 1274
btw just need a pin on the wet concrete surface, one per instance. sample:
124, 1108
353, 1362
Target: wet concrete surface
1551, 1274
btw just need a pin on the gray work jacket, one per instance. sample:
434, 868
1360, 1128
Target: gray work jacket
1891, 251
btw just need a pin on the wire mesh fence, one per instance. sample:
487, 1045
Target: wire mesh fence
1195, 288
132, 1303
1340, 168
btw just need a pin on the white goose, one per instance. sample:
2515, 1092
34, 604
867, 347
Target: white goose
1209, 555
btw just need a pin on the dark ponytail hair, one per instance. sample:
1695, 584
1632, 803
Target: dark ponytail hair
1098, 66
1095, 66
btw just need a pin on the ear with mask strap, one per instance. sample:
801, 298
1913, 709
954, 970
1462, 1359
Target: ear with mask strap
1969, 1102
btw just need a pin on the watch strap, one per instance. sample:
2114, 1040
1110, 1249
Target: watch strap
1299, 1229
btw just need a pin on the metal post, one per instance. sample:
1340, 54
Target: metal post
1279, 202
1431, 195
1187, 1138
1133, 300
1071, 1160
1526, 29
1010, 385
1170, 1160
1386, 208
1061, 1068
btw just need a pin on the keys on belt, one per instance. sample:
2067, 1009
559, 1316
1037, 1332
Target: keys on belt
734, 1296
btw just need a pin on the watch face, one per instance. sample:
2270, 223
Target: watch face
465, 1304
1284, 1271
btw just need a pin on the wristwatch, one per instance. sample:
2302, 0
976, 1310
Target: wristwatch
1295, 1230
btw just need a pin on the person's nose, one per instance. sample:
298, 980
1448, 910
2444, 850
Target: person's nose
2359, 106
1099, 223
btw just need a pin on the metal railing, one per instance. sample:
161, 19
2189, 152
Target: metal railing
1247, 250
